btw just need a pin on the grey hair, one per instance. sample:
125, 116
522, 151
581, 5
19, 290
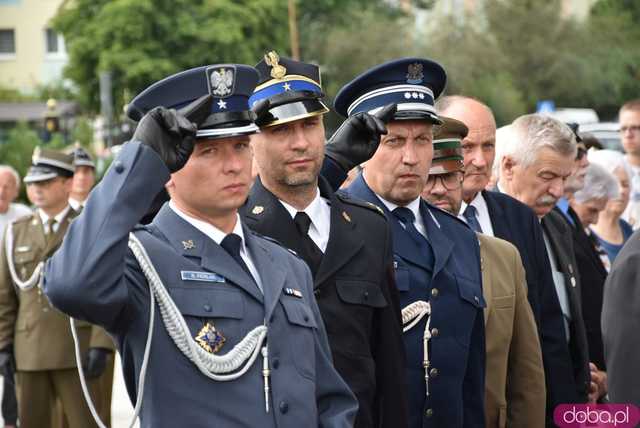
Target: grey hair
598, 183
609, 160
531, 133
12, 171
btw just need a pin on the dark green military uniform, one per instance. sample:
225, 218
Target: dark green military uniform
38, 334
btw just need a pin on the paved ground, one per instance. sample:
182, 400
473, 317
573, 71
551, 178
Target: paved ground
121, 409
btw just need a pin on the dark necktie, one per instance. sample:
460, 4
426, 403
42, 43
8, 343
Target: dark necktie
311, 253
407, 218
231, 243
49, 229
471, 215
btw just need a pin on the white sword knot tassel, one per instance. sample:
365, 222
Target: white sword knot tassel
411, 316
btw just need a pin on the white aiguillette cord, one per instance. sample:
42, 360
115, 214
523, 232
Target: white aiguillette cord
411, 316
35, 275
223, 368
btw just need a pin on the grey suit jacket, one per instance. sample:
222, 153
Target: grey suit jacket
109, 289
620, 324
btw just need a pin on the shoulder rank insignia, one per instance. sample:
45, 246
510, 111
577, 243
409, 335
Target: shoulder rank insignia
210, 339
375, 207
258, 209
293, 292
277, 71
188, 244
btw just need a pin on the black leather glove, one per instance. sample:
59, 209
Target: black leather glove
358, 137
7, 362
95, 362
172, 134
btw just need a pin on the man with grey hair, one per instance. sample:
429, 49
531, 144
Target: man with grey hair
9, 211
535, 162
504, 217
9, 189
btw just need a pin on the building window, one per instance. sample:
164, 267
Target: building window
7, 42
53, 45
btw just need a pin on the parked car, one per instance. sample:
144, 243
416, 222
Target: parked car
608, 133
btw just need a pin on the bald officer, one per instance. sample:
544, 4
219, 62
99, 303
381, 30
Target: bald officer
237, 338
515, 388
31, 330
436, 256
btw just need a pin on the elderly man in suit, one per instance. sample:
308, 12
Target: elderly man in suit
498, 214
536, 155
436, 256
514, 385
238, 338
345, 242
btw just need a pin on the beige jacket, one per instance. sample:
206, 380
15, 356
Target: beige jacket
515, 387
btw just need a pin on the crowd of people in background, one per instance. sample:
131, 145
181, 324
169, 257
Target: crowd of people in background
466, 275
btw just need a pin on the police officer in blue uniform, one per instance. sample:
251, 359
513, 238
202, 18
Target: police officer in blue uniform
235, 336
436, 256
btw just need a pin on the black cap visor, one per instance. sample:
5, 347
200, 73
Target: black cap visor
293, 111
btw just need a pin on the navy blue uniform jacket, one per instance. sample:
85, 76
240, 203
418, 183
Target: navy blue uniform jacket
457, 348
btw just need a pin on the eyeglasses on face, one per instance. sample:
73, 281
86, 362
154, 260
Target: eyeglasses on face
450, 180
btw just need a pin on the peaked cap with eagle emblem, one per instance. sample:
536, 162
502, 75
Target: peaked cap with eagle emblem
413, 84
230, 85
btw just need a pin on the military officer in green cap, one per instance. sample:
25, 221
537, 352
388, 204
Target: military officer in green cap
514, 382
35, 338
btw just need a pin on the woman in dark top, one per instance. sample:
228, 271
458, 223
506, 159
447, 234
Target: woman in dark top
600, 186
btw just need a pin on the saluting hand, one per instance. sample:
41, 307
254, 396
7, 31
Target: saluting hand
170, 133
358, 137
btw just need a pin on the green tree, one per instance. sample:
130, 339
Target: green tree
142, 41
18, 150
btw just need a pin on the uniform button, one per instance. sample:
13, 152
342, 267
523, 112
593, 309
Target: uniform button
429, 413
118, 166
305, 318
207, 308
275, 363
284, 407
366, 295
435, 332
433, 372
435, 292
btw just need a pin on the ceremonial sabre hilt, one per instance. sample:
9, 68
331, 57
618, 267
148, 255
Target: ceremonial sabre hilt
411, 316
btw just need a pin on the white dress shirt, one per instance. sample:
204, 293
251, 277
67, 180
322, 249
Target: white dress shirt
76, 205
483, 213
319, 212
218, 235
561, 288
59, 217
414, 207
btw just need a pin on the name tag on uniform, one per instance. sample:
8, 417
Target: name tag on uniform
189, 275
